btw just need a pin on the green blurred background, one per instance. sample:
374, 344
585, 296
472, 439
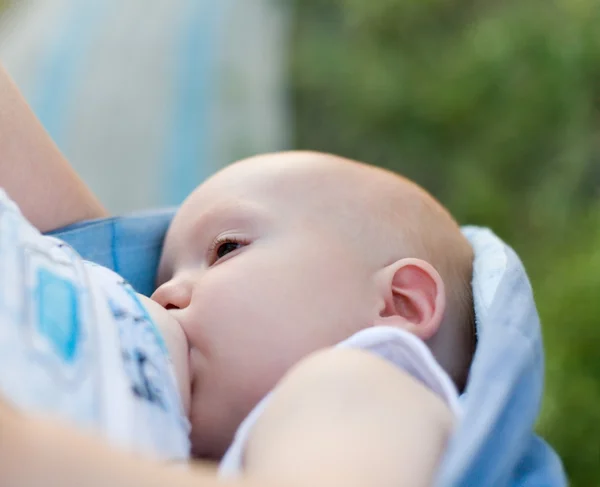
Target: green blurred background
492, 106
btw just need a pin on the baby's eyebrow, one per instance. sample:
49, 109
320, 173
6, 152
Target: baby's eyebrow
229, 214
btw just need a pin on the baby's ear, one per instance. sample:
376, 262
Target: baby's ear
413, 297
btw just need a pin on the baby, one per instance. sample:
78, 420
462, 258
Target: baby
78, 343
280, 255
271, 259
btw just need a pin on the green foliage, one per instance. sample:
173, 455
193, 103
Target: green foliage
492, 106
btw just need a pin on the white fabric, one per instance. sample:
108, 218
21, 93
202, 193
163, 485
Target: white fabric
75, 343
402, 349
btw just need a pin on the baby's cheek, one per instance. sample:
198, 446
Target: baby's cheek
220, 315
227, 296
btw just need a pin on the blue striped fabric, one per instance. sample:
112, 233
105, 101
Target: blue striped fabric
129, 245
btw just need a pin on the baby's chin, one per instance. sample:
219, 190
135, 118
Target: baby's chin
217, 411
211, 435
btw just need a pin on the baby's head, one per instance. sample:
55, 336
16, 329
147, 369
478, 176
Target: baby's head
277, 256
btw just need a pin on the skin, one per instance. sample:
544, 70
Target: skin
252, 246
330, 421
33, 171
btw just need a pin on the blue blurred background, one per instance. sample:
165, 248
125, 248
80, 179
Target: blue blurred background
148, 97
492, 106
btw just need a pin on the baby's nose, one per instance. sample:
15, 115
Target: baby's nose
173, 295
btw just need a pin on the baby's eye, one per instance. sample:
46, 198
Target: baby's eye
227, 247
223, 246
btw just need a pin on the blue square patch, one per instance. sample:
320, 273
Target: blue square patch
58, 313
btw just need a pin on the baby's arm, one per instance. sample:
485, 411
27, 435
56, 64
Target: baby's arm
33, 171
345, 417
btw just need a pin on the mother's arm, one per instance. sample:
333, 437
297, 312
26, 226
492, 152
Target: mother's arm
33, 171
36, 452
